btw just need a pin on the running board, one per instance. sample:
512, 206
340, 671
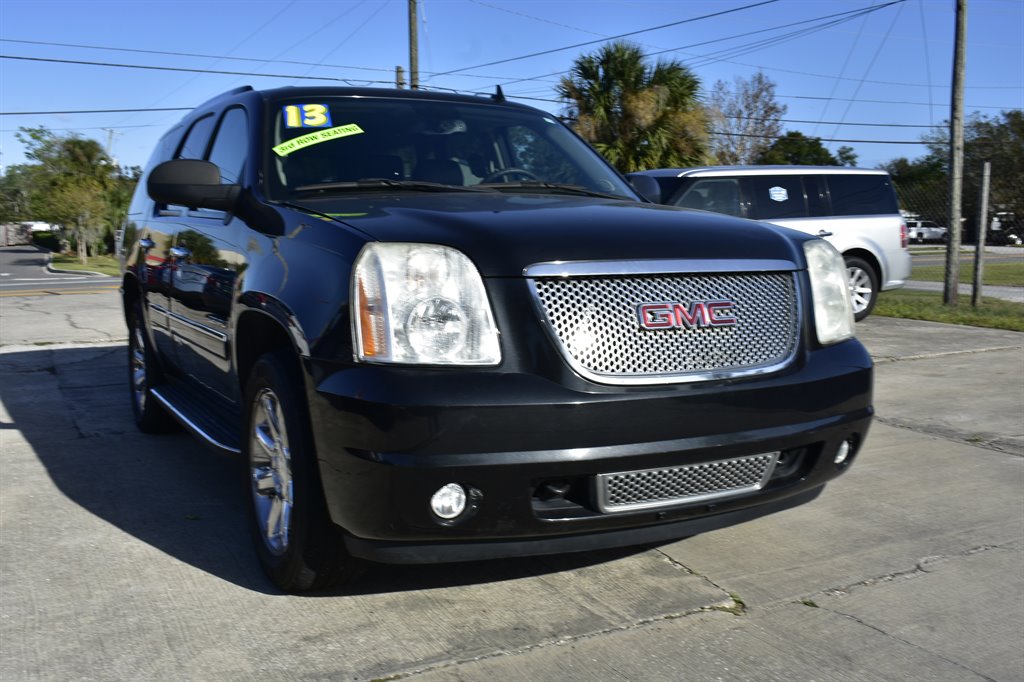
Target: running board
192, 414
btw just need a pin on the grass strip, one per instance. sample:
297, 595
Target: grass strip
995, 274
107, 265
993, 313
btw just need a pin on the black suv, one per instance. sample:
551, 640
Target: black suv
440, 328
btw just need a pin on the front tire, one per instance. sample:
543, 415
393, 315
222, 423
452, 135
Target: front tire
296, 542
143, 374
863, 283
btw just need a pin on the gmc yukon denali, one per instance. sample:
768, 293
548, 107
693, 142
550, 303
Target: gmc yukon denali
441, 328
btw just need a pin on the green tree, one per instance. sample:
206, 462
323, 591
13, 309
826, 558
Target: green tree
999, 140
746, 117
796, 149
72, 183
923, 183
638, 116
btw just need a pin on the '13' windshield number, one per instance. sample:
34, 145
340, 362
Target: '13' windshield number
306, 116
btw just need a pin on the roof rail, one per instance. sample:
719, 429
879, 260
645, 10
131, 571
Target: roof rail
229, 93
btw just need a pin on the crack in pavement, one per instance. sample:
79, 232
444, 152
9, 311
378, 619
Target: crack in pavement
943, 354
996, 443
895, 638
733, 604
921, 567
562, 641
104, 336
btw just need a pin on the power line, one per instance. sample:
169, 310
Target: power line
93, 111
601, 40
135, 50
749, 47
187, 70
820, 139
884, 101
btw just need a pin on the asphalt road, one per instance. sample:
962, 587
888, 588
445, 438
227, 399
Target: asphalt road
125, 556
23, 272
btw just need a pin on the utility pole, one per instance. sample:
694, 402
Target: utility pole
950, 295
979, 252
399, 77
414, 57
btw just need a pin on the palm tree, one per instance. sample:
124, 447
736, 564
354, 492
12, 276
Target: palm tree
637, 116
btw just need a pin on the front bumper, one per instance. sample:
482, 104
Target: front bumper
388, 438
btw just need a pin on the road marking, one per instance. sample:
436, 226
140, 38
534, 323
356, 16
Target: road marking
49, 279
54, 292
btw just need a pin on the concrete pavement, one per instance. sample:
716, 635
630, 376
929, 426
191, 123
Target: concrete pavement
124, 556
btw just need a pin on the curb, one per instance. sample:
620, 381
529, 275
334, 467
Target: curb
57, 271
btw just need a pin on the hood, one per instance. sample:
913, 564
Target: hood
505, 233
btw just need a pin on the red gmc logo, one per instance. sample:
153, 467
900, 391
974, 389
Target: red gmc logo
679, 316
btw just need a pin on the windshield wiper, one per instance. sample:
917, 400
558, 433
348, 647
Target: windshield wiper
578, 190
386, 183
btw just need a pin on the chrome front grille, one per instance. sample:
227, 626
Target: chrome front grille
631, 490
595, 323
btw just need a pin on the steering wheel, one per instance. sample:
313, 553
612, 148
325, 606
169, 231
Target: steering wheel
509, 171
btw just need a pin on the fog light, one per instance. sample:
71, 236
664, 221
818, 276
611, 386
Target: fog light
843, 452
449, 501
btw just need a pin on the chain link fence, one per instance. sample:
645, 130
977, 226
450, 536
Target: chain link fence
929, 200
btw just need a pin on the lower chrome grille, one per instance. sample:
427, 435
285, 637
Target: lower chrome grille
647, 488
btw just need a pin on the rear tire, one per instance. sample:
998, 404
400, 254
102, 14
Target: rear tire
863, 283
143, 374
296, 542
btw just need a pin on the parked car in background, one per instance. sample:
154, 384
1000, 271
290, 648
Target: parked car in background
854, 209
921, 231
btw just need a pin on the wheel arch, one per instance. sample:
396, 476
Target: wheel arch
868, 258
258, 331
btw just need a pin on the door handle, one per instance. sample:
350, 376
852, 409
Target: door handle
180, 252
146, 243
824, 233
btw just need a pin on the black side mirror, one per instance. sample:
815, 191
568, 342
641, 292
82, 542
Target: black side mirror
192, 183
646, 186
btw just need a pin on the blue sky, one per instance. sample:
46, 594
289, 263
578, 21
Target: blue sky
890, 67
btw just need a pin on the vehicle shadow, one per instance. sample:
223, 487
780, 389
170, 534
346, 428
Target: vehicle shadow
167, 490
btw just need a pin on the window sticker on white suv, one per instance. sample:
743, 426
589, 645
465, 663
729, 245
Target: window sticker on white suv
778, 193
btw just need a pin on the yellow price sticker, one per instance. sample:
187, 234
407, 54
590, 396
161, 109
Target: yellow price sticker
303, 141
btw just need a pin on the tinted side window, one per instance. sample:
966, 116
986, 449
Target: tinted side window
779, 196
817, 195
195, 141
230, 146
721, 195
862, 195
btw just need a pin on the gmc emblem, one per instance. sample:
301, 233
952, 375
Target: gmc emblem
678, 316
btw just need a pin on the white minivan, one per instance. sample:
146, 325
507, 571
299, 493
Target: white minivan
853, 208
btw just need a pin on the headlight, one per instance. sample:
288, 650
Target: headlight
421, 304
830, 290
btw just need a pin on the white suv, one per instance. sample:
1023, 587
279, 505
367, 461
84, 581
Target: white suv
853, 208
920, 231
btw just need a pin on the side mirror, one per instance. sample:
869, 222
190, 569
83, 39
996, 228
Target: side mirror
646, 186
192, 183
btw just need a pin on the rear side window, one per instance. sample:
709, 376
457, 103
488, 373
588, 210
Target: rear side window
195, 141
862, 195
779, 196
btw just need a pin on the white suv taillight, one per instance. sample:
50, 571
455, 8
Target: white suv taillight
904, 238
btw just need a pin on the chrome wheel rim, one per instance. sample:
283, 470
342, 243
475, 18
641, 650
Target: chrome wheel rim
270, 471
860, 289
138, 360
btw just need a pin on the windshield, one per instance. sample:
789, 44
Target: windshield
342, 140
